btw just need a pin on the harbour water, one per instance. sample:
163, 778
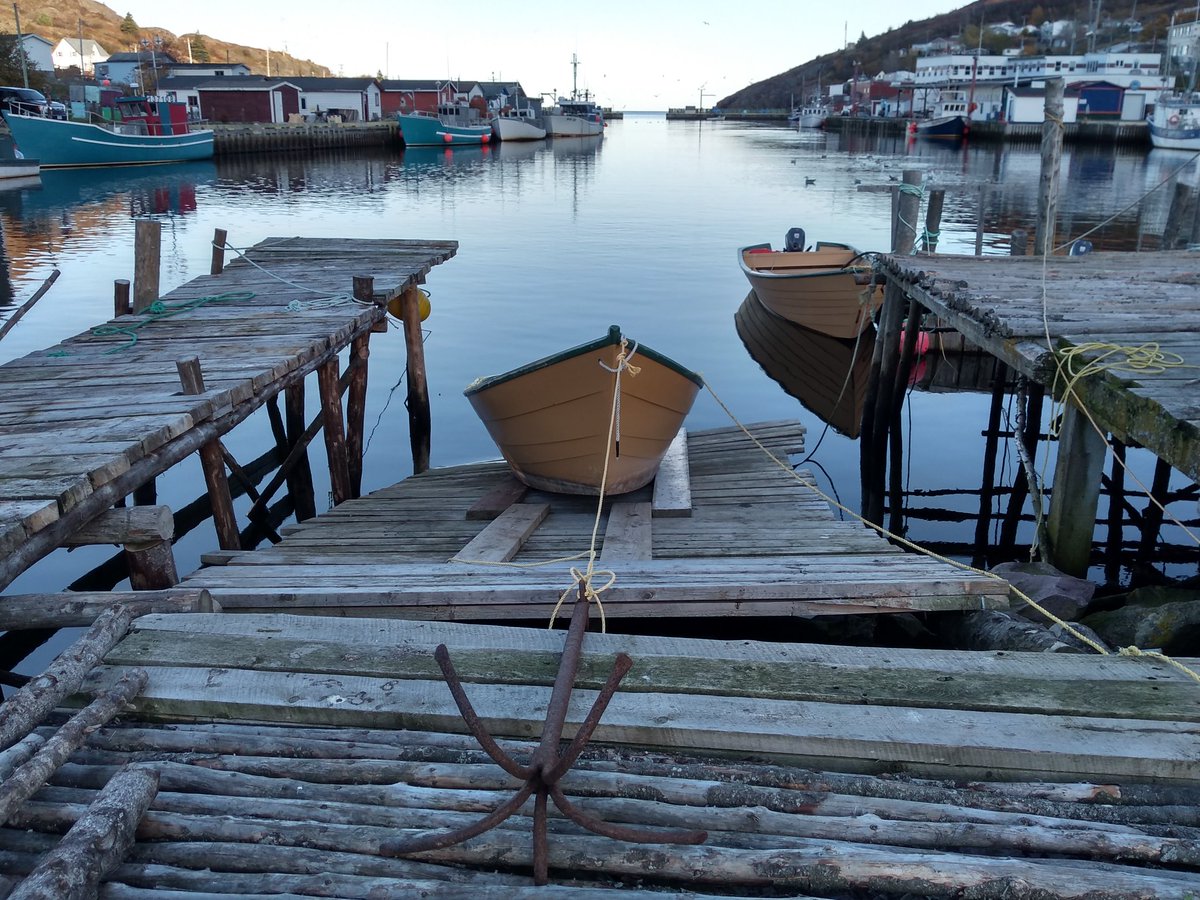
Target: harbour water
558, 240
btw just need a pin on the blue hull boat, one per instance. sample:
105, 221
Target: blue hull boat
943, 127
427, 130
59, 143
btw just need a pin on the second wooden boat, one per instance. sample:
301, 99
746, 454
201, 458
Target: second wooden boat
550, 418
830, 289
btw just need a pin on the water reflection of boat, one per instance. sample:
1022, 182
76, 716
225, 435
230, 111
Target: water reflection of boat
580, 146
510, 150
152, 189
828, 375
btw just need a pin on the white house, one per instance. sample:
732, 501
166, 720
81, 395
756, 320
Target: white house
39, 51
208, 69
354, 99
79, 52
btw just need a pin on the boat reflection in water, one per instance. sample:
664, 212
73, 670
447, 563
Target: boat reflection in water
827, 375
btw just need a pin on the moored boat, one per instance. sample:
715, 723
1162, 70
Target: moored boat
550, 418
574, 118
1175, 123
518, 125
150, 131
19, 168
828, 375
949, 118
830, 288
423, 129
809, 117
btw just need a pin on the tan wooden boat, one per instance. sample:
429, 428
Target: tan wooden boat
829, 289
828, 375
550, 418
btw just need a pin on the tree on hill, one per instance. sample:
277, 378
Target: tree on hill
199, 48
129, 27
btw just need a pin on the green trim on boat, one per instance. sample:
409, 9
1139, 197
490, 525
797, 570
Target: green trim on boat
613, 337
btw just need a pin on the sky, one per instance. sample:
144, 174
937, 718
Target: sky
632, 55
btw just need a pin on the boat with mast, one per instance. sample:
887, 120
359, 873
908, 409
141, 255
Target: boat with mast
574, 116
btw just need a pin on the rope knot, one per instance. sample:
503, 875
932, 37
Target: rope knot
157, 308
591, 592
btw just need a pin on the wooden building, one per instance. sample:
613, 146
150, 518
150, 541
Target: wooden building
251, 99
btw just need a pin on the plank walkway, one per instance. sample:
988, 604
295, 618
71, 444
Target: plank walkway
1122, 299
756, 542
289, 750
85, 422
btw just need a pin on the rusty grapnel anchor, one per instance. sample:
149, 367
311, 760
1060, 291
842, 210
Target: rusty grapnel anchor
547, 765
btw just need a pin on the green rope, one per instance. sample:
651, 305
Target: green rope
917, 190
159, 310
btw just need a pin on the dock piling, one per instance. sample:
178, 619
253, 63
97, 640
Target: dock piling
418, 389
218, 251
121, 305
335, 431
1052, 143
147, 259
212, 461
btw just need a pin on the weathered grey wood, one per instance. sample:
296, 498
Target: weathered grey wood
29, 777
1068, 747
418, 387
151, 565
147, 260
220, 236
1080, 463
1048, 184
95, 843
334, 430
212, 463
1183, 202
628, 533
126, 524
356, 411
74, 609
502, 538
673, 483
32, 703
121, 305
498, 499
19, 753
19, 313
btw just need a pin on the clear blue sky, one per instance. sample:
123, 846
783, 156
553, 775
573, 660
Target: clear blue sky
632, 55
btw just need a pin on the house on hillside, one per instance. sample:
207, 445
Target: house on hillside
81, 53
209, 69
184, 89
249, 98
351, 99
38, 50
128, 68
501, 95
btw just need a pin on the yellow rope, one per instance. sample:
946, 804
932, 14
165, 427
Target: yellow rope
1066, 626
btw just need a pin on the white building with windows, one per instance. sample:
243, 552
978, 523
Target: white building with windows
81, 53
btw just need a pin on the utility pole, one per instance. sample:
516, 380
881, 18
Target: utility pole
703, 95
81, 71
21, 46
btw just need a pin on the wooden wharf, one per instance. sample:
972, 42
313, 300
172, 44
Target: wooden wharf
724, 531
91, 420
1027, 310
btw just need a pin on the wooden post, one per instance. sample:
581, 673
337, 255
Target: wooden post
1116, 514
1080, 463
907, 209
213, 464
121, 298
877, 409
218, 251
356, 398
1034, 396
299, 477
1152, 515
151, 566
335, 431
988, 487
418, 389
933, 221
147, 253
983, 197
1183, 202
1052, 141
1019, 242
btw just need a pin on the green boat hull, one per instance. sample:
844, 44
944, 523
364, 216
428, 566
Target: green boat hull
57, 143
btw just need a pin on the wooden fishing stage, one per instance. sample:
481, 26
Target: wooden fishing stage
1138, 314
97, 417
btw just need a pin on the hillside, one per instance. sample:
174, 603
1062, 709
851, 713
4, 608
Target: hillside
68, 18
887, 52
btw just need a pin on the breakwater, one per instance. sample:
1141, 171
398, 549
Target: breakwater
256, 137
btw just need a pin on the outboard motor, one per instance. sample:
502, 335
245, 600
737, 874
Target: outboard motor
794, 240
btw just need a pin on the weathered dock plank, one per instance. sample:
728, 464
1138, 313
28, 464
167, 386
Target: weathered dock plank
257, 332
758, 542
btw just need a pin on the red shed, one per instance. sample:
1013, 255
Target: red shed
248, 99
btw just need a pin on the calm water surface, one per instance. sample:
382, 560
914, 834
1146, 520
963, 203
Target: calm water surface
558, 240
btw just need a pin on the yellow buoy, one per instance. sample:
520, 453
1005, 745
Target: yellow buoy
423, 307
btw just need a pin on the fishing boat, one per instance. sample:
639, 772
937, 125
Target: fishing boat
550, 418
830, 288
1175, 123
949, 118
425, 129
828, 375
517, 125
574, 118
813, 116
148, 131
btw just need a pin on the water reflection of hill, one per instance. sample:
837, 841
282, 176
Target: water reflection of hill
828, 375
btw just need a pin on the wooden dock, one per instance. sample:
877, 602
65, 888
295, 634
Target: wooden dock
725, 531
268, 754
87, 422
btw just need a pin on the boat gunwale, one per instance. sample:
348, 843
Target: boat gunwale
613, 338
752, 273
205, 134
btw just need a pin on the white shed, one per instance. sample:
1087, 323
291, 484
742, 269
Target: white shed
1028, 105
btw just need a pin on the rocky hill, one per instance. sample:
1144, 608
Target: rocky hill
70, 18
888, 52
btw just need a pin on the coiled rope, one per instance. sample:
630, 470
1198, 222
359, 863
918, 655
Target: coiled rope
160, 310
